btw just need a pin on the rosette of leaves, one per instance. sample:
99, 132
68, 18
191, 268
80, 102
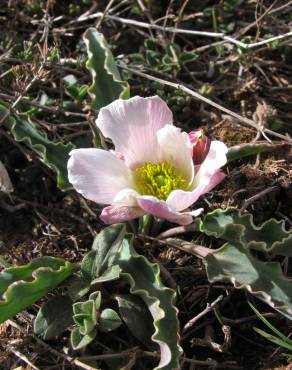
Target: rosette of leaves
148, 310
89, 319
113, 257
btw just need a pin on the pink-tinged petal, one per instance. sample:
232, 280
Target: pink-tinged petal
176, 149
214, 180
208, 175
180, 199
216, 158
98, 174
161, 209
119, 213
132, 125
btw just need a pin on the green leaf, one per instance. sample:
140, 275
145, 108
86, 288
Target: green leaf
270, 326
107, 85
53, 318
187, 57
265, 280
85, 313
77, 287
134, 313
22, 286
96, 297
144, 280
151, 44
112, 273
72, 91
108, 320
78, 340
87, 326
247, 149
83, 91
274, 339
85, 309
105, 246
53, 155
153, 58
234, 227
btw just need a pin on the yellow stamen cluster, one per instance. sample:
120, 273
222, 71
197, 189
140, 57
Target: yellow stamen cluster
159, 180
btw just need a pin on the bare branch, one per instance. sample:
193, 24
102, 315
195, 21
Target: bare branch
218, 35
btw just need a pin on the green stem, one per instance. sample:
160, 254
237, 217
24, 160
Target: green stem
145, 224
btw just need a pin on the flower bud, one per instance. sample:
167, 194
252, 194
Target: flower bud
201, 146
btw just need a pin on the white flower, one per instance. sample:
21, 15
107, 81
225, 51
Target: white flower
151, 170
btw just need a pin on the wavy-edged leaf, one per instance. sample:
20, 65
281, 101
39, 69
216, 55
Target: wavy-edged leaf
144, 280
265, 280
53, 155
22, 286
230, 225
53, 318
107, 85
247, 149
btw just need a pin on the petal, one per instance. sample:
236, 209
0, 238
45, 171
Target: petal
116, 213
132, 125
98, 174
161, 209
215, 159
180, 199
127, 197
207, 177
176, 149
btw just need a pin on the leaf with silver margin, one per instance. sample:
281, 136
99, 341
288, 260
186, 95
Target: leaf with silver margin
54, 155
23, 285
144, 280
230, 225
107, 84
235, 264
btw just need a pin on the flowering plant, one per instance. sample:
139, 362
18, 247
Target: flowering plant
155, 168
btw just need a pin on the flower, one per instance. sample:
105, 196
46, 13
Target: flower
155, 168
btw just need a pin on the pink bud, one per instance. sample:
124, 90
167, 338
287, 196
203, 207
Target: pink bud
201, 145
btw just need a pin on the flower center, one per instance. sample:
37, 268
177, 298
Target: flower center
159, 179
